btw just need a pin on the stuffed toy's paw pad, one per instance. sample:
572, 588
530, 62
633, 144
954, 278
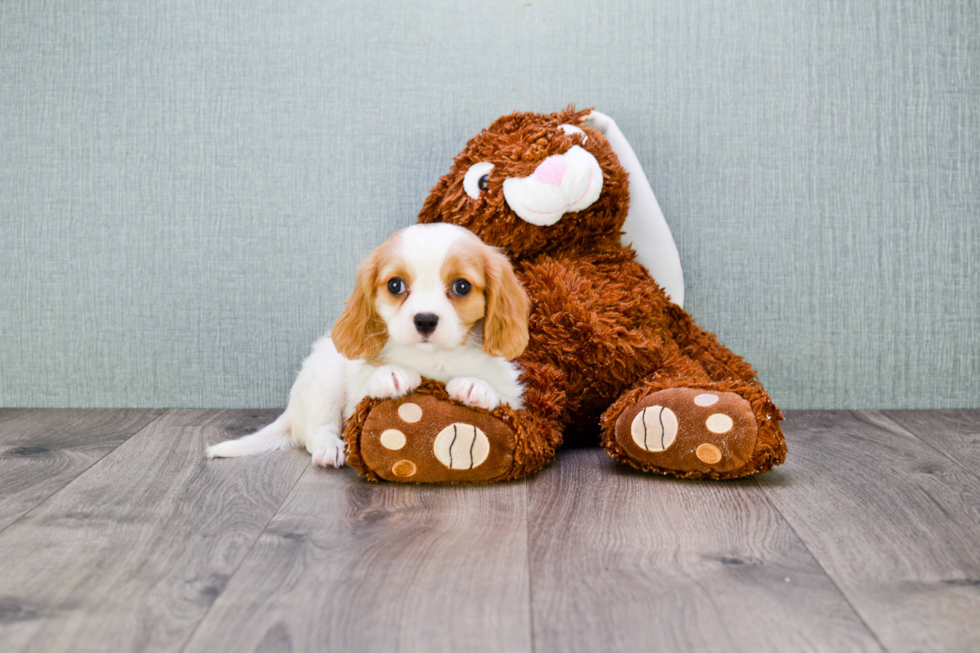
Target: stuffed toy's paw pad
689, 430
423, 439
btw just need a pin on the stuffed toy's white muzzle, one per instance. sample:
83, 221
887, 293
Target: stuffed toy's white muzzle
563, 183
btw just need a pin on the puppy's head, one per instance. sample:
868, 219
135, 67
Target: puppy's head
434, 286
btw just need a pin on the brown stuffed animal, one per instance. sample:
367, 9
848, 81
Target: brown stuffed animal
608, 351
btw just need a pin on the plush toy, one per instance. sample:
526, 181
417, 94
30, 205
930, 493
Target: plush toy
610, 351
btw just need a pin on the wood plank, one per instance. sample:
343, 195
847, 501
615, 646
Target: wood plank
894, 522
131, 555
954, 433
357, 566
41, 451
622, 560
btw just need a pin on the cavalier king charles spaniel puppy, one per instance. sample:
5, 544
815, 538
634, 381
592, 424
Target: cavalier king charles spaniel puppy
433, 301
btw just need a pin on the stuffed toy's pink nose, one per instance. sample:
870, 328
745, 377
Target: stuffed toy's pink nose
552, 170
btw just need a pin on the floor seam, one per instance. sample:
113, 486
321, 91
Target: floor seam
941, 452
816, 560
245, 557
84, 471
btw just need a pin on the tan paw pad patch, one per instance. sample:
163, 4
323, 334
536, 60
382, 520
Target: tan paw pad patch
719, 423
403, 468
461, 446
706, 399
708, 453
393, 439
654, 428
410, 412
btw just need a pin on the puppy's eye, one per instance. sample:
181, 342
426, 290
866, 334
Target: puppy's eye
477, 178
461, 287
396, 286
571, 130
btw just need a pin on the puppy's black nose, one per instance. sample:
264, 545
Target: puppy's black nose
426, 323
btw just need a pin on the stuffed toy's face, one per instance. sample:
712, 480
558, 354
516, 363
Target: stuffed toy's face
535, 183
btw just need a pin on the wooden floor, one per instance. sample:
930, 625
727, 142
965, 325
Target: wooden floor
116, 534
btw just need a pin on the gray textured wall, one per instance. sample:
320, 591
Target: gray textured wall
186, 187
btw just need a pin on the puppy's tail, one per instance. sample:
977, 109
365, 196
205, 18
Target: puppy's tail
273, 437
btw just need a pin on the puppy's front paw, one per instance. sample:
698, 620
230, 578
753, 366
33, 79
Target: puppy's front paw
473, 392
390, 381
328, 452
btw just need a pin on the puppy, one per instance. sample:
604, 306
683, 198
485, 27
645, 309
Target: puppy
432, 301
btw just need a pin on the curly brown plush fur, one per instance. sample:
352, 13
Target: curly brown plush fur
604, 338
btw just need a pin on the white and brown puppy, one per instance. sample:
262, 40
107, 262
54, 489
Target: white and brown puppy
432, 301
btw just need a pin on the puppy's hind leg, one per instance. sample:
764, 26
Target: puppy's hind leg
326, 447
273, 437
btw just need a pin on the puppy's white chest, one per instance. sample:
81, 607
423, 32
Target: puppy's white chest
437, 366
440, 365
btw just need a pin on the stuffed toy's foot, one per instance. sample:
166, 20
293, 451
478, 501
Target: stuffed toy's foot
695, 432
426, 437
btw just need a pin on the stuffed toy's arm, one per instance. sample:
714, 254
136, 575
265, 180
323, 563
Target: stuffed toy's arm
645, 228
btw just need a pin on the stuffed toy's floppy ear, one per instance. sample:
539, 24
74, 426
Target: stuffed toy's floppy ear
505, 322
360, 333
645, 227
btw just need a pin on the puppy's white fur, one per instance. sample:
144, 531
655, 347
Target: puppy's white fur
387, 356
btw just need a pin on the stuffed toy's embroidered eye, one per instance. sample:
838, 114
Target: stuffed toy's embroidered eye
396, 286
477, 178
571, 130
461, 287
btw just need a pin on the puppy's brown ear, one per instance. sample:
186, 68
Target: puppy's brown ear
505, 322
430, 209
360, 333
